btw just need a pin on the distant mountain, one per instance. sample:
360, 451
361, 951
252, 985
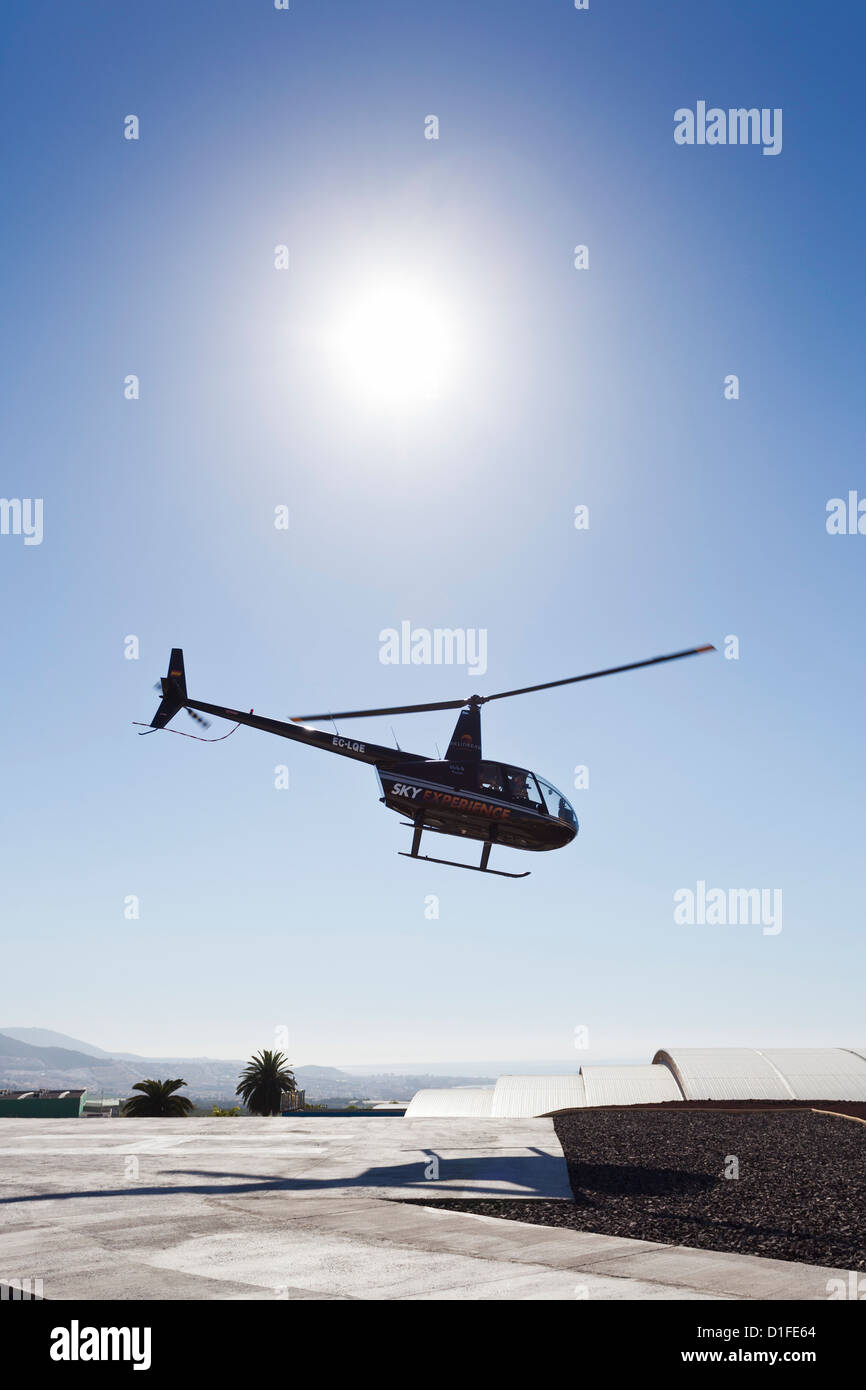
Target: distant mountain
23, 1064
46, 1037
58, 1058
26, 1062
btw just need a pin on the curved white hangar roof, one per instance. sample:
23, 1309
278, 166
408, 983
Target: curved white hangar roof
451, 1101
629, 1085
679, 1073
724, 1073
522, 1097
774, 1073
825, 1073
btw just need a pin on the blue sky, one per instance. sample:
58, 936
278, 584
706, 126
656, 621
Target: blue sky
262, 908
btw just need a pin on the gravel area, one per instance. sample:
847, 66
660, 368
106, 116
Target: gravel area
659, 1175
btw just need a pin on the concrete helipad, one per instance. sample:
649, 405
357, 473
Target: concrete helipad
297, 1208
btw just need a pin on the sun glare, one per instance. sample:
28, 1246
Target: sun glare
395, 346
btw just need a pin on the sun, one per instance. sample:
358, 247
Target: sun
395, 345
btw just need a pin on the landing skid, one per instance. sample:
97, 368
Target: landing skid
418, 827
476, 868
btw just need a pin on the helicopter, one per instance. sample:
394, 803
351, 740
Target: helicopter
462, 794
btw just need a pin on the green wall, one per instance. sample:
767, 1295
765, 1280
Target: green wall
42, 1107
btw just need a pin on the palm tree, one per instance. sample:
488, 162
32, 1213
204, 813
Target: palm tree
157, 1099
263, 1081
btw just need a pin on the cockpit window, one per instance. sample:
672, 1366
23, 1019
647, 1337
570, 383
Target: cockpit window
523, 788
556, 803
490, 779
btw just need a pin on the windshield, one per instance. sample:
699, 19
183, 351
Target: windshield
556, 802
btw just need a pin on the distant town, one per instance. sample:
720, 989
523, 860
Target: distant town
38, 1058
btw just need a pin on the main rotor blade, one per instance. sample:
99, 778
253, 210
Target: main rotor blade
592, 675
368, 713
500, 695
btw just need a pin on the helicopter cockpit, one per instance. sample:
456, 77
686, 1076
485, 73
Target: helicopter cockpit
523, 787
